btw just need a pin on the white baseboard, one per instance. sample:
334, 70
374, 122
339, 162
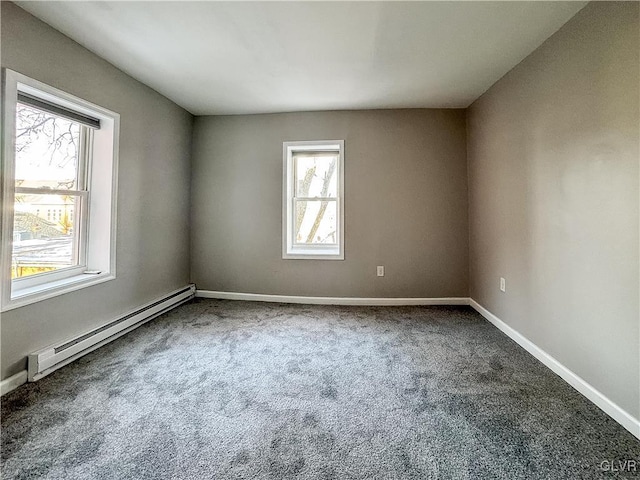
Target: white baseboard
625, 419
606, 405
13, 382
259, 297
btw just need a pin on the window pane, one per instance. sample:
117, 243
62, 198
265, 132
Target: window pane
46, 149
316, 222
316, 175
44, 233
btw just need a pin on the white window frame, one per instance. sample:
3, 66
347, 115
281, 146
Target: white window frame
97, 259
291, 250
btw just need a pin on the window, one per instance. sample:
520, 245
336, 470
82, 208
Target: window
59, 172
313, 205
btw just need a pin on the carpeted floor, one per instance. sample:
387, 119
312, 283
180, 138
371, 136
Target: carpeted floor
221, 389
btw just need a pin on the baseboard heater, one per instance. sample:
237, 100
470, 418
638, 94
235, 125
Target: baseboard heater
47, 360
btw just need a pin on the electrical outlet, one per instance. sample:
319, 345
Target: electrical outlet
503, 285
380, 270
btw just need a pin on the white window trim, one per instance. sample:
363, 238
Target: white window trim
310, 252
101, 241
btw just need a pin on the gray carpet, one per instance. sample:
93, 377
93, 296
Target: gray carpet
220, 389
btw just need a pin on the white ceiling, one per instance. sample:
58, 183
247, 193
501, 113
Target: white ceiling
256, 57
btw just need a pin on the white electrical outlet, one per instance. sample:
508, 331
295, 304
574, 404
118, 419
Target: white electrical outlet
380, 270
503, 285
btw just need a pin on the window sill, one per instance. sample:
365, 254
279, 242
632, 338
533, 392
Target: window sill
29, 295
313, 254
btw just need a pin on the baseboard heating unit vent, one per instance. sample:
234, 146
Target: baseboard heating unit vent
45, 361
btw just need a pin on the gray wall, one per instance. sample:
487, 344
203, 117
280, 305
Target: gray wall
553, 192
153, 196
405, 204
